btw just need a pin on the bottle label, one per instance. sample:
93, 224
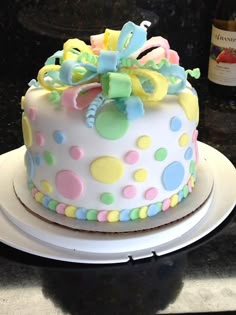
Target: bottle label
222, 61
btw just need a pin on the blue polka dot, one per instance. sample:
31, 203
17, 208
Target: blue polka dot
38, 159
173, 176
188, 153
154, 209
46, 201
125, 215
81, 213
175, 123
29, 163
59, 137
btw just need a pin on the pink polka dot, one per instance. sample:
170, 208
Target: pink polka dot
69, 184
39, 138
131, 157
60, 208
166, 204
102, 216
129, 192
32, 113
195, 135
151, 193
76, 153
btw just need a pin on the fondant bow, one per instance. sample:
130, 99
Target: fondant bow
109, 69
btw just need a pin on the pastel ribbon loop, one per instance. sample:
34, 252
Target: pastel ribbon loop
157, 83
47, 81
77, 44
107, 61
177, 78
52, 59
74, 73
131, 38
79, 97
132, 107
115, 85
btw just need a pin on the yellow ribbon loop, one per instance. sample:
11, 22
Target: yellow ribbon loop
76, 44
159, 85
110, 39
46, 83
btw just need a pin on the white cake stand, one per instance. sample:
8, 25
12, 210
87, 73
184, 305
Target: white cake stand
38, 237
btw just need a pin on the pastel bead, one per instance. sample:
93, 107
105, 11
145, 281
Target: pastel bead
174, 200
61, 208
70, 211
39, 197
102, 216
166, 204
143, 212
113, 216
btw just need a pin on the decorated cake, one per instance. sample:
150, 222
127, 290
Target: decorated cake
110, 128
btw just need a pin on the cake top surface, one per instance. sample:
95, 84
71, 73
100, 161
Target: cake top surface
122, 65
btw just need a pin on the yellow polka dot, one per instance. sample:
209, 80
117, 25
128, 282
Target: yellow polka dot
46, 186
174, 200
70, 211
39, 196
27, 133
140, 175
190, 106
144, 142
192, 181
22, 103
143, 212
107, 169
184, 140
113, 216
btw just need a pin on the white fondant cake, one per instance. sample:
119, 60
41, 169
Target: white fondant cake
131, 153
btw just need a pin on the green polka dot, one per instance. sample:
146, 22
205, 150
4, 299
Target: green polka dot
185, 191
92, 215
111, 124
134, 214
107, 198
52, 205
49, 158
192, 167
160, 154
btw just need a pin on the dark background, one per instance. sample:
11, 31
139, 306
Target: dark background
32, 30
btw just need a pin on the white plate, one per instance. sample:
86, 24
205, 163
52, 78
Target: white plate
218, 208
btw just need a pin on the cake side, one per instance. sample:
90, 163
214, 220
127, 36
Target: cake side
123, 161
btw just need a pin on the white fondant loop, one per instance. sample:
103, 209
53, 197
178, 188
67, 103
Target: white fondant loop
145, 24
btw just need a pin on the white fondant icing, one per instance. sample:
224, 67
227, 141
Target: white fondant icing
155, 123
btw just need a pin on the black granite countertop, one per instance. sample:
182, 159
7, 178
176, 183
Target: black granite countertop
198, 278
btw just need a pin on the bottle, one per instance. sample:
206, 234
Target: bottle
222, 60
